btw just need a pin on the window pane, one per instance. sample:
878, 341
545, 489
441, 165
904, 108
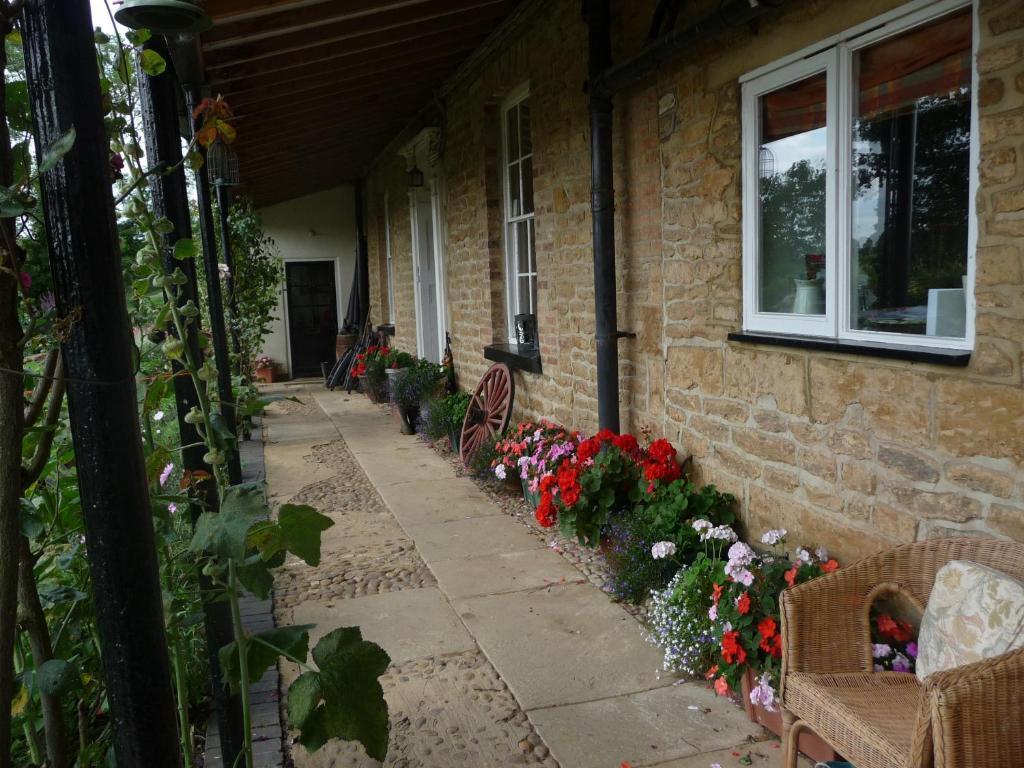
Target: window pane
514, 202
792, 193
533, 246
512, 132
522, 246
911, 142
526, 169
524, 127
527, 294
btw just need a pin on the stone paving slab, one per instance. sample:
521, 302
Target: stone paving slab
765, 754
509, 572
643, 728
461, 539
562, 645
407, 624
437, 501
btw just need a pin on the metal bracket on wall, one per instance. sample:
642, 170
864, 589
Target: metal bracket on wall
625, 334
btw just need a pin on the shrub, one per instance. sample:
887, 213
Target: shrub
663, 514
417, 383
444, 416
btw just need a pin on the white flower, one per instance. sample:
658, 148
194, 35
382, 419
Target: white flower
740, 554
172, 507
158, 415
723, 532
803, 555
499, 471
822, 554
663, 549
713, 612
774, 536
701, 525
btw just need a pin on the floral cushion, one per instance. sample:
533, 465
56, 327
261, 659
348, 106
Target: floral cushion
974, 613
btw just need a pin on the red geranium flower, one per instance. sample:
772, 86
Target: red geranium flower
790, 575
547, 482
626, 443
900, 632
722, 686
571, 495
743, 604
588, 449
717, 590
767, 628
732, 651
661, 450
546, 514
604, 435
830, 566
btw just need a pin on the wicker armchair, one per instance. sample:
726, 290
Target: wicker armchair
968, 717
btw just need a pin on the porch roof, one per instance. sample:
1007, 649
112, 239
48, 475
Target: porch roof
320, 86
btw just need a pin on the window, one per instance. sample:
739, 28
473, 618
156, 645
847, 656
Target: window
387, 253
517, 172
858, 180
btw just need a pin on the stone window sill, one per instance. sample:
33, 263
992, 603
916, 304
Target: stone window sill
516, 357
953, 357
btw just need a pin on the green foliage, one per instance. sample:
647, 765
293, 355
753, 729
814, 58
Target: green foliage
444, 417
664, 514
263, 650
259, 273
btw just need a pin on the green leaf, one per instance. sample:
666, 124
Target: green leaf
352, 705
10, 204
220, 425
100, 37
301, 526
56, 676
53, 153
163, 225
255, 574
222, 533
16, 99
185, 248
260, 656
303, 696
138, 36
152, 63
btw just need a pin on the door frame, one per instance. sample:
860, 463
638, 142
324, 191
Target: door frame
424, 149
285, 311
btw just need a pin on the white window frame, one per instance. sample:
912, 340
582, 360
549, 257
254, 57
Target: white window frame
389, 260
512, 273
835, 57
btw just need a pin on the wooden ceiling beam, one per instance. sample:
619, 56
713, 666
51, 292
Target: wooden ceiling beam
384, 79
289, 147
233, 51
315, 73
415, 93
376, 44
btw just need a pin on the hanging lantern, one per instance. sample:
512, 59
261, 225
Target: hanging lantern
415, 174
222, 164
164, 17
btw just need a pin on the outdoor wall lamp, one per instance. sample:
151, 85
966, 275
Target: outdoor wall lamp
165, 17
415, 174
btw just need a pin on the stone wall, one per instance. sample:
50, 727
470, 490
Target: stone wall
854, 453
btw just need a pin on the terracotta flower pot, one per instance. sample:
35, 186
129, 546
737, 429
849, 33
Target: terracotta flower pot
266, 373
811, 744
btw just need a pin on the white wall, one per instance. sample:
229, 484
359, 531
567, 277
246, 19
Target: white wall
315, 227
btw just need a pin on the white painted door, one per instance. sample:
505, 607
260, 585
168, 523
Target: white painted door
427, 282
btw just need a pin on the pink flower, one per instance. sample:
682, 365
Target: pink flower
166, 474
26, 281
764, 695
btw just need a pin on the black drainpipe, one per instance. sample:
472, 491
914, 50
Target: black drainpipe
602, 208
604, 80
362, 286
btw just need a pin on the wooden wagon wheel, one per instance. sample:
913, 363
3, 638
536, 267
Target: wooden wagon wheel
490, 409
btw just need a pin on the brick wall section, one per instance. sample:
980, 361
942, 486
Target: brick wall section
854, 453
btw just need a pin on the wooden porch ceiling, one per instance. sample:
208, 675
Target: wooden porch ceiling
319, 87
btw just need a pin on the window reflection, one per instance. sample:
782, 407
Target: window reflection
911, 140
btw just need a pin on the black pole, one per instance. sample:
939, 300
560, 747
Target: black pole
602, 207
223, 209
159, 106
213, 297
98, 355
362, 255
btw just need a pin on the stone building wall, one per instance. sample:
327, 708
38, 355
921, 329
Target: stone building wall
850, 452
